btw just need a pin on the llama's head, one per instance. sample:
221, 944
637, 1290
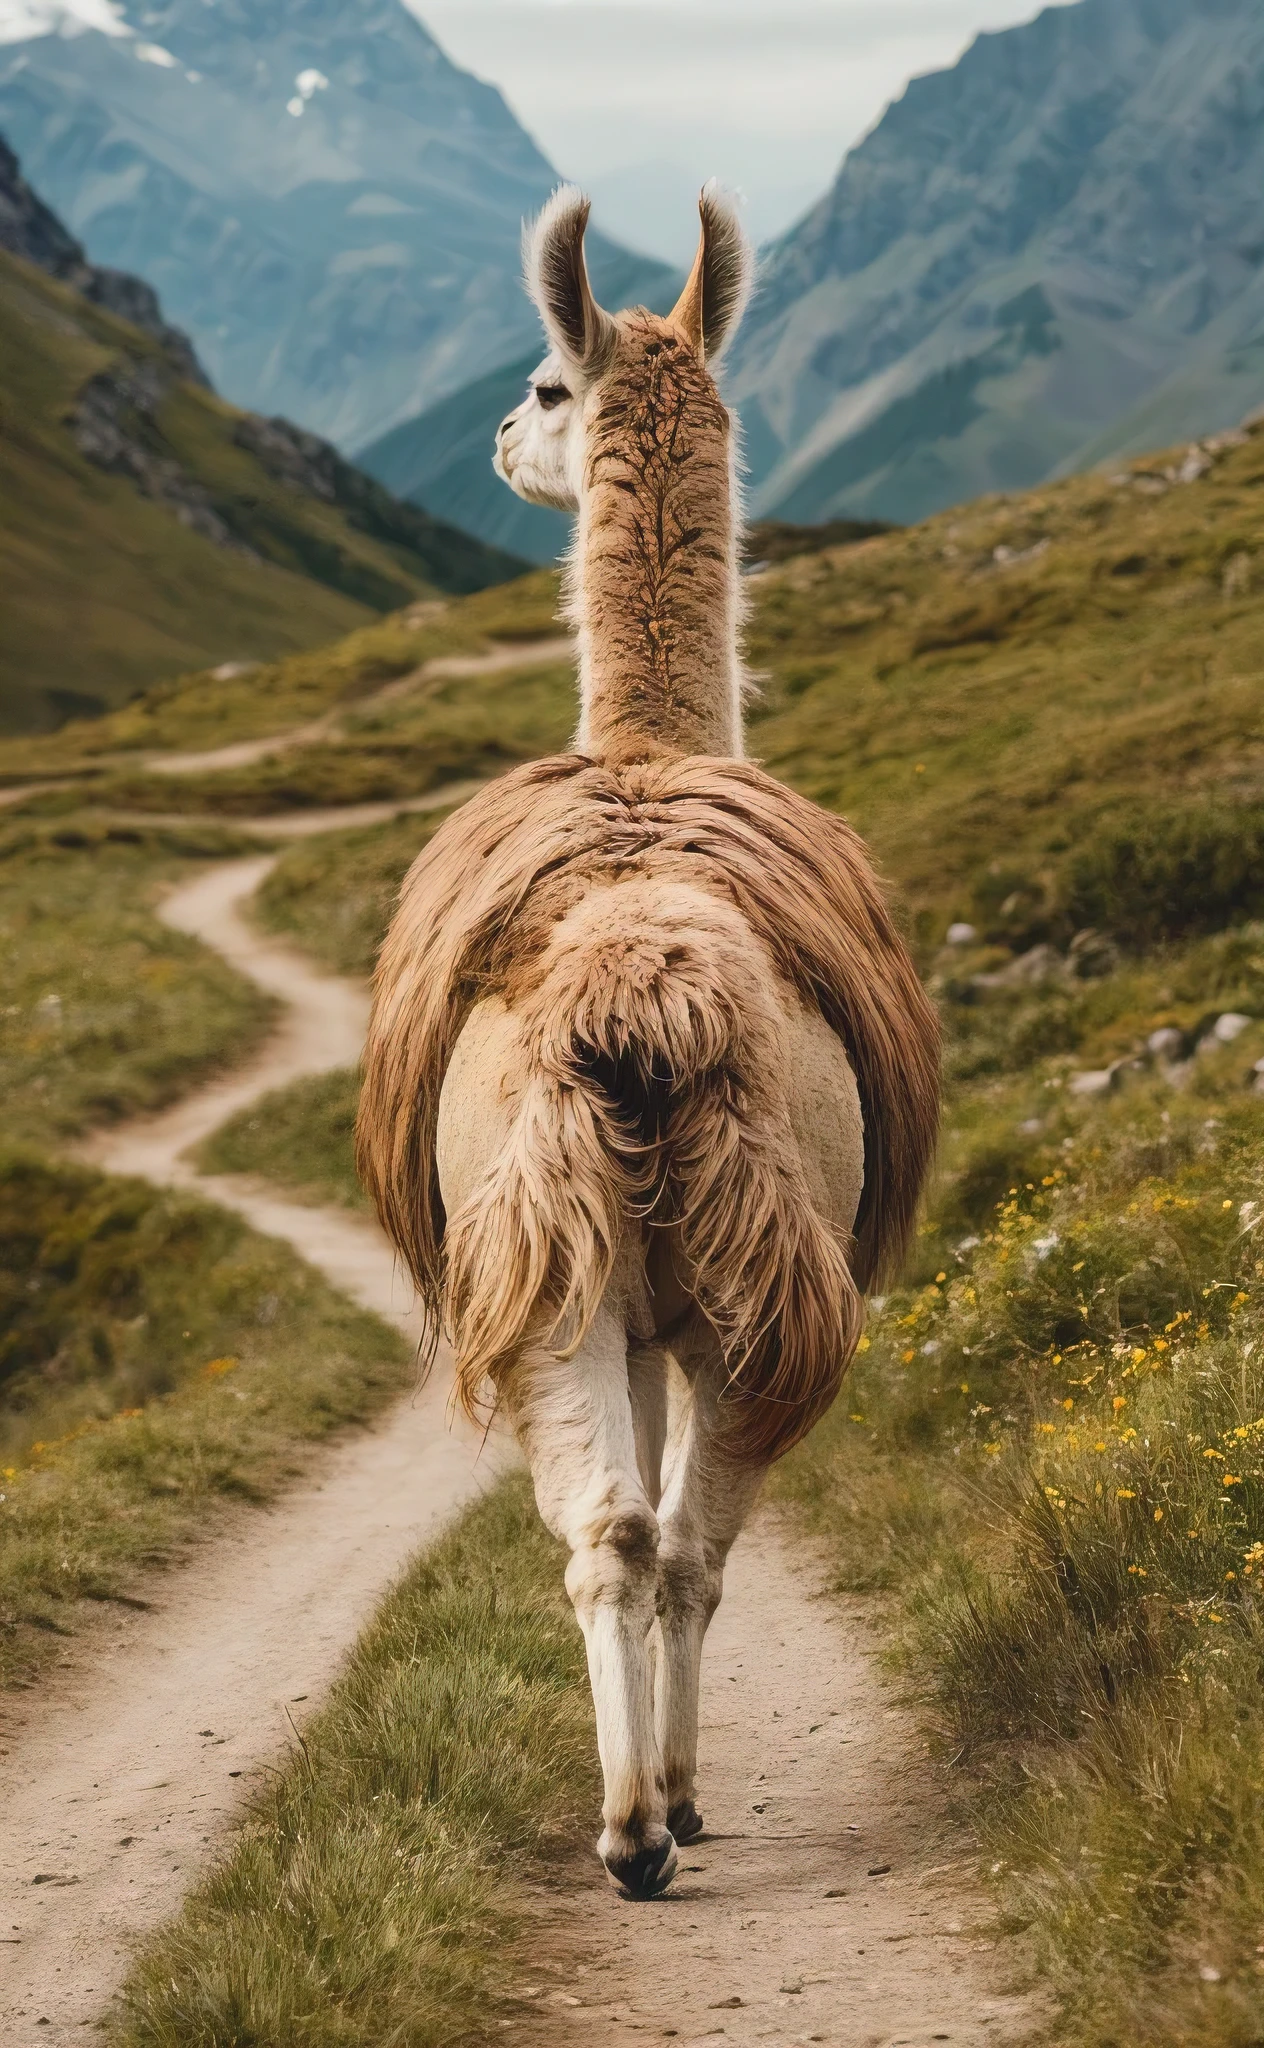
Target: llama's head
541, 447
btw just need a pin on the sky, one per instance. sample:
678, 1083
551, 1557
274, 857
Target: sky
641, 101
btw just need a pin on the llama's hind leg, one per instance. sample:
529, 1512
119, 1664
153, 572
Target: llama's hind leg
706, 1499
574, 1420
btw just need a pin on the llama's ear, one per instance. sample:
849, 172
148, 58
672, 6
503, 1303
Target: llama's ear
713, 301
557, 279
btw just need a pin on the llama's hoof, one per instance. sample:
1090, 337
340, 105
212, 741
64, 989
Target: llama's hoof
645, 1873
685, 1822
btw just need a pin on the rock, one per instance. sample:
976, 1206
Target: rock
1042, 963
961, 935
1230, 1026
878, 1870
32, 230
1167, 1043
1097, 1081
1195, 465
1258, 1071
794, 1985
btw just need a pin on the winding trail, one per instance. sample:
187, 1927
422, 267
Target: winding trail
112, 1787
830, 1899
443, 668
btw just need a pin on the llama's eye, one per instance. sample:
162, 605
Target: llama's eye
550, 395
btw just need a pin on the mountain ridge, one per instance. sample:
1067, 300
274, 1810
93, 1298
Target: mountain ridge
1024, 251
324, 201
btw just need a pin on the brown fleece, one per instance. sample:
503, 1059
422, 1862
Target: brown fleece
655, 569
649, 922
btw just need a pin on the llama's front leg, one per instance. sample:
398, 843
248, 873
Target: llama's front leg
706, 1499
574, 1420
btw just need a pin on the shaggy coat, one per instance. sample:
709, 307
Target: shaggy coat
655, 1089
639, 1014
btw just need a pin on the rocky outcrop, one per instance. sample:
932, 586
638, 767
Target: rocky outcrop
306, 463
115, 423
30, 229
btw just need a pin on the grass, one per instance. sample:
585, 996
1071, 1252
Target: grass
368, 1898
442, 731
106, 1011
1050, 1463
157, 1356
202, 710
335, 894
301, 1137
147, 596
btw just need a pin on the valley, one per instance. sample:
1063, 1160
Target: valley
1042, 1485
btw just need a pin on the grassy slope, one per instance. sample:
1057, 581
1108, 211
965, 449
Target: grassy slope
302, 1138
142, 595
199, 710
367, 1898
125, 1313
106, 1011
1051, 1458
1051, 1461
157, 1356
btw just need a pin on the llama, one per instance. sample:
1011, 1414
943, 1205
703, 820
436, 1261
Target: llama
651, 1084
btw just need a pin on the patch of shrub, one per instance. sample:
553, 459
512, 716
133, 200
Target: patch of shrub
1170, 872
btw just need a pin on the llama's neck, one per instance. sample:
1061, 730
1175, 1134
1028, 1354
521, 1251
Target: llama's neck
655, 589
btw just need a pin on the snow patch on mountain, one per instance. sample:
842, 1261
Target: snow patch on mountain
22, 19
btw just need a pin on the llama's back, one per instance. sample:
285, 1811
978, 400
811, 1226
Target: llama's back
647, 954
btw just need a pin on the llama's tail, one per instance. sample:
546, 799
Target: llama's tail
656, 1087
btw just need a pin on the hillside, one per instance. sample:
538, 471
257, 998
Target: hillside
988, 696
1043, 257
307, 186
1046, 1476
174, 530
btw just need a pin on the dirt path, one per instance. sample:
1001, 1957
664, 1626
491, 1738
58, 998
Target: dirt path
444, 668
830, 1898
111, 1788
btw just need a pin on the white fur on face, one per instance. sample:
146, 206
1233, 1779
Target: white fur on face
539, 448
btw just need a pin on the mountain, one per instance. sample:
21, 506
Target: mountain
444, 457
146, 527
1047, 256
327, 205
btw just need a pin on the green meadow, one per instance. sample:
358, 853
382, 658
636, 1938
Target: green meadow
1048, 1467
